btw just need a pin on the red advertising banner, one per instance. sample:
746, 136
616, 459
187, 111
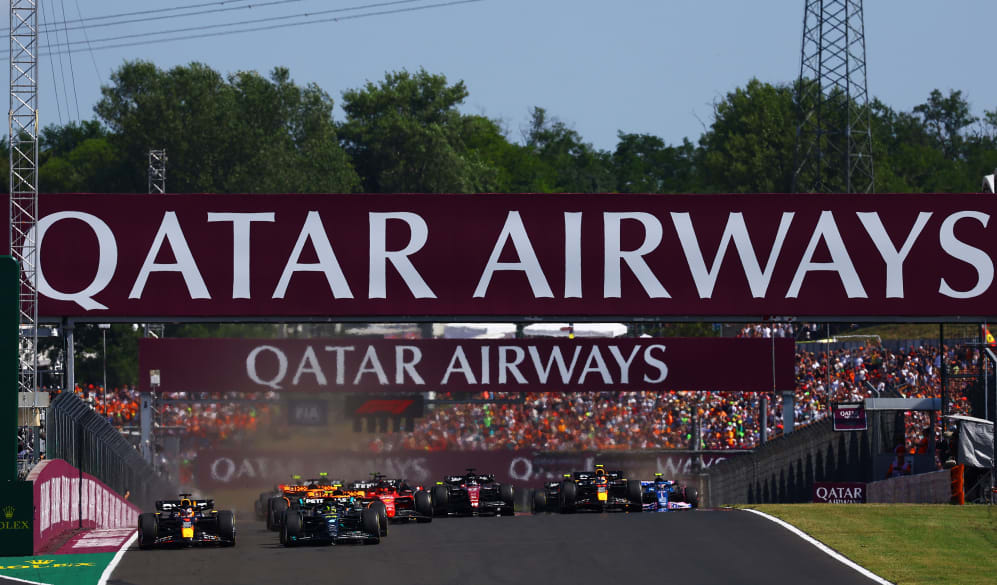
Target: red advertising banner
220, 469
463, 365
586, 256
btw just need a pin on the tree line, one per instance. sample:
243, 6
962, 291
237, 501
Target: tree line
247, 133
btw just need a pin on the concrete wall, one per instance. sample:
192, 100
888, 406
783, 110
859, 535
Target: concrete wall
925, 488
785, 469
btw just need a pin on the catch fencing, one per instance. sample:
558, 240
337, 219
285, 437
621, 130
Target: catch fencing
80, 436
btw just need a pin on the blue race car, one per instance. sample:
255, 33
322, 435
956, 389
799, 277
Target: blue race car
662, 494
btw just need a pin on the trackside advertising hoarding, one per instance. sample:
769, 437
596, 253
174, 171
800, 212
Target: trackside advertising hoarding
587, 256
463, 365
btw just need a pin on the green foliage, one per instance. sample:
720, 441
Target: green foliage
406, 135
243, 134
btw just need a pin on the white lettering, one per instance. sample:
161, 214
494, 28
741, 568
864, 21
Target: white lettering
340, 352
595, 363
402, 366
309, 365
614, 256
463, 367
827, 230
736, 231
528, 262
170, 232
894, 259
380, 256
314, 231
371, 365
543, 372
655, 363
107, 259
241, 224
251, 370
573, 255
504, 365
959, 250
624, 364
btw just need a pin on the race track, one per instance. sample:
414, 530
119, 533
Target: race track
698, 547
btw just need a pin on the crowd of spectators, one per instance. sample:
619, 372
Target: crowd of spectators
666, 420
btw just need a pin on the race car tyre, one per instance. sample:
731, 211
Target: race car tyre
382, 515
566, 498
278, 508
635, 495
148, 530
539, 501
441, 499
226, 526
291, 527
370, 520
506, 493
424, 506
692, 496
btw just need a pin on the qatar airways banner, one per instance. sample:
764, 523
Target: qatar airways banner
587, 256
222, 469
463, 365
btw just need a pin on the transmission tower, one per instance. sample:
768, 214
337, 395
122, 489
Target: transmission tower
157, 171
23, 134
834, 138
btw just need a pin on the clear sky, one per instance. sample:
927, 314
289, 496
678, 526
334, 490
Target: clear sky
651, 67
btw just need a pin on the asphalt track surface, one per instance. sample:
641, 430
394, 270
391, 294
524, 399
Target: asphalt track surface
695, 547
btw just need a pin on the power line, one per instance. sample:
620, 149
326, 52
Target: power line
93, 59
72, 70
55, 85
160, 18
151, 11
147, 41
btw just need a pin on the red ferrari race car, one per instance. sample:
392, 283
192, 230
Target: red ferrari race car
402, 501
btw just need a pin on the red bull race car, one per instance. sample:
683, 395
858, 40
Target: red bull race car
472, 494
598, 490
660, 495
186, 522
402, 501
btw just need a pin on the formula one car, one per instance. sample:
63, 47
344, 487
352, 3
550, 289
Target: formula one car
662, 494
402, 501
186, 522
597, 490
278, 503
472, 494
327, 517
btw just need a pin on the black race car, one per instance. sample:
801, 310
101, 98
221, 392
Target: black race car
472, 494
598, 490
186, 522
325, 517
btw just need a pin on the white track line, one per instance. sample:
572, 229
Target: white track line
823, 547
117, 559
9, 578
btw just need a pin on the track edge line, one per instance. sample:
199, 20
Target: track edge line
820, 545
109, 569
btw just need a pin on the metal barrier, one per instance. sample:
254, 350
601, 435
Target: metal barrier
84, 439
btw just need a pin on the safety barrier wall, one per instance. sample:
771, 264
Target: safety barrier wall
923, 488
80, 436
66, 500
784, 469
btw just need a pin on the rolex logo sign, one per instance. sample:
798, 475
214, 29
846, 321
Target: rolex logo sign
9, 523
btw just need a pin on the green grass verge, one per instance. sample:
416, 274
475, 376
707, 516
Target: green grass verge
907, 544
